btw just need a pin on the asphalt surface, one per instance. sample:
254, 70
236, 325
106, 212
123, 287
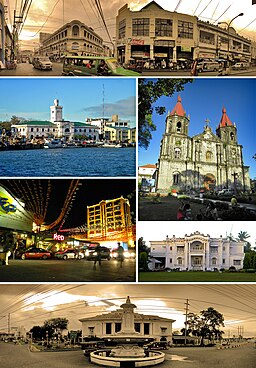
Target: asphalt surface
241, 357
26, 69
67, 271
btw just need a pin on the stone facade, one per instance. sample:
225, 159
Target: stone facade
206, 161
198, 252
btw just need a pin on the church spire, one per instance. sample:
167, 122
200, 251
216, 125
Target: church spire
178, 108
225, 121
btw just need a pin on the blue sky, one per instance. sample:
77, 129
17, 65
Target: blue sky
204, 99
31, 98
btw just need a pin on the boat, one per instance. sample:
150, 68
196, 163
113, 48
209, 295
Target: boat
110, 145
54, 143
72, 145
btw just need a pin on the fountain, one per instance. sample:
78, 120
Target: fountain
128, 352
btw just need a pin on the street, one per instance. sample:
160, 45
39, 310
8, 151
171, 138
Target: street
26, 69
53, 270
241, 357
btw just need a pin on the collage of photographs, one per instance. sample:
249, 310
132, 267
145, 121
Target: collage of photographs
128, 183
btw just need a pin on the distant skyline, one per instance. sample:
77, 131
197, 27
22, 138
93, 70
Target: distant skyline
81, 98
204, 99
31, 305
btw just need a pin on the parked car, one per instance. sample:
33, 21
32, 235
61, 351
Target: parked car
226, 192
67, 254
36, 253
42, 62
207, 66
89, 66
240, 65
91, 253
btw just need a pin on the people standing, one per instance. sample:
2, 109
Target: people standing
120, 254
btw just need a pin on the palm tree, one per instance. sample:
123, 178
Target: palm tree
242, 236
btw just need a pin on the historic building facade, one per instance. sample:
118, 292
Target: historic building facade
113, 324
157, 34
206, 161
198, 252
56, 128
74, 38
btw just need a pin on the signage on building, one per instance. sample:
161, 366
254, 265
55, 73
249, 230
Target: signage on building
13, 214
186, 49
133, 41
58, 237
164, 43
161, 54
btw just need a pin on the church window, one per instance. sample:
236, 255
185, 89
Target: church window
208, 156
177, 153
178, 127
176, 178
232, 136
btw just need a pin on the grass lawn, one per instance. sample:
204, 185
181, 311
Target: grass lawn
196, 276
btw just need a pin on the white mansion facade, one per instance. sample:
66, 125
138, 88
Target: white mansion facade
198, 252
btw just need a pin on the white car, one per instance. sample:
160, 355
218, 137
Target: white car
42, 63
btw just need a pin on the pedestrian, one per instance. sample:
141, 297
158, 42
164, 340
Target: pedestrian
194, 71
184, 213
211, 212
7, 255
120, 254
97, 256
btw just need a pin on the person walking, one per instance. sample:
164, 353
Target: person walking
98, 256
120, 254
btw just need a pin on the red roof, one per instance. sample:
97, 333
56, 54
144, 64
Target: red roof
225, 121
178, 108
149, 166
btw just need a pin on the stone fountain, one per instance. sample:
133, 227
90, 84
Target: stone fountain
128, 352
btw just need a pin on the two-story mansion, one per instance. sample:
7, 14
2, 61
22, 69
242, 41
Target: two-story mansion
198, 252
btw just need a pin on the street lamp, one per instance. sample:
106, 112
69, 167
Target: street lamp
229, 24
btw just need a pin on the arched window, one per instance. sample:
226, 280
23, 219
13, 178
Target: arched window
75, 31
232, 136
67, 130
208, 156
177, 152
176, 178
178, 127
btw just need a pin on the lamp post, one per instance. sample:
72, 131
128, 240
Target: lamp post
228, 25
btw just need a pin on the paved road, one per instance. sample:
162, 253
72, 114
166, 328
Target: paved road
26, 69
186, 73
67, 271
242, 357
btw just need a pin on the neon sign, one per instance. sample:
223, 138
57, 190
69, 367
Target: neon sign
58, 237
6, 206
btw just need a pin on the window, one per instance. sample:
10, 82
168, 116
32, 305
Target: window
176, 178
237, 262
214, 261
137, 327
163, 27
170, 248
108, 328
178, 127
232, 136
140, 27
223, 261
122, 26
177, 153
179, 261
91, 331
117, 327
163, 330
146, 328
75, 31
185, 29
208, 156
170, 260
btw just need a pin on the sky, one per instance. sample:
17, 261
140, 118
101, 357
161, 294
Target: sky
31, 305
161, 229
48, 15
204, 99
90, 192
31, 98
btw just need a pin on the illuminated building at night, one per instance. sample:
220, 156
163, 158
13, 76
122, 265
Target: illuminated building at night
110, 219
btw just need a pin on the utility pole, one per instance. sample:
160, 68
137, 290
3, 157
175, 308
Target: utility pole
9, 323
186, 320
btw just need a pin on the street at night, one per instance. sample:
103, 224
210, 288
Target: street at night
240, 357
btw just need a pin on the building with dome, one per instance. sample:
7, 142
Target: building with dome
205, 161
198, 252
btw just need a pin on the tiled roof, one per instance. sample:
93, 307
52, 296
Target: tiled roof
225, 121
178, 108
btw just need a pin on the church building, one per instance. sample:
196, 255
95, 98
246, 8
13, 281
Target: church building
205, 161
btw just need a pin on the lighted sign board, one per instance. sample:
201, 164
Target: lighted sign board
58, 237
13, 214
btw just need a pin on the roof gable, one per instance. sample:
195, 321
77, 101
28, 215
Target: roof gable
152, 5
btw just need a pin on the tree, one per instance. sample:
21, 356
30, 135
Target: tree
55, 326
206, 325
37, 332
242, 236
150, 90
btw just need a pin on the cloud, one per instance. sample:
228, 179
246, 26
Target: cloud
125, 108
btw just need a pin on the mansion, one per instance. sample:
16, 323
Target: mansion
125, 322
198, 252
205, 161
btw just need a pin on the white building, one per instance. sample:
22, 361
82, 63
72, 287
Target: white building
110, 325
57, 127
198, 252
147, 171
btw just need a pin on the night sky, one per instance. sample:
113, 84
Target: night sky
91, 192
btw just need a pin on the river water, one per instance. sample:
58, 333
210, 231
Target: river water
71, 162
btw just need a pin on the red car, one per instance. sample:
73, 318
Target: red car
36, 253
